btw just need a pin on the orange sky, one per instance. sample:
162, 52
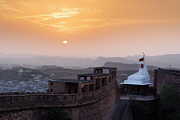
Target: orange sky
91, 27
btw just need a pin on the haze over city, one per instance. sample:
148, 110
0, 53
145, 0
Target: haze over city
89, 28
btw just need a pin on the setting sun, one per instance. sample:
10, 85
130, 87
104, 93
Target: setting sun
65, 42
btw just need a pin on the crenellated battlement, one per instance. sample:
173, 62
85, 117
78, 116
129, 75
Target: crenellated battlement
96, 91
30, 101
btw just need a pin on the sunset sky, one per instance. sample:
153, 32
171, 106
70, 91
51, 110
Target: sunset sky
89, 28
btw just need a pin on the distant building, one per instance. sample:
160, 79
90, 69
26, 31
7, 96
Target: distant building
85, 83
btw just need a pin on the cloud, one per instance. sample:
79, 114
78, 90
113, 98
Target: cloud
64, 13
70, 15
6, 7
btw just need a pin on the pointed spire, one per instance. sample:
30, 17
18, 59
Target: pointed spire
141, 61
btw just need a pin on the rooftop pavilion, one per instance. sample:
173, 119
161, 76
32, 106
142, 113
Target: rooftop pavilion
139, 78
138, 85
84, 83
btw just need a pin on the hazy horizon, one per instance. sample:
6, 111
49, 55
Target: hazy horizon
89, 57
165, 61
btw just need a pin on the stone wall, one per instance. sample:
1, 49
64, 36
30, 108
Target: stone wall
92, 106
144, 110
166, 77
37, 114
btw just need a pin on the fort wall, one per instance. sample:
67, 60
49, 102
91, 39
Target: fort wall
166, 77
97, 104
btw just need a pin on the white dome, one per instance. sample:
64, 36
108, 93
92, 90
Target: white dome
139, 78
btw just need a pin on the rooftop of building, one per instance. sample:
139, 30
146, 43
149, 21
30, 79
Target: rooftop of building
85, 75
105, 68
170, 70
70, 81
92, 74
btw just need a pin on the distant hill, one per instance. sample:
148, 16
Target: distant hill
70, 62
103, 60
125, 67
170, 60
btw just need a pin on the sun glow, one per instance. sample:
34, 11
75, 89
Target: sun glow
65, 42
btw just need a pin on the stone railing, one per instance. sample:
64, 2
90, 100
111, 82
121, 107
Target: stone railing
16, 102
10, 102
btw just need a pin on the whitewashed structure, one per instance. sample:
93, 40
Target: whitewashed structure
138, 84
141, 77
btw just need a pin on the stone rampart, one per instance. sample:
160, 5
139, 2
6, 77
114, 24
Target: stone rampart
97, 104
166, 77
